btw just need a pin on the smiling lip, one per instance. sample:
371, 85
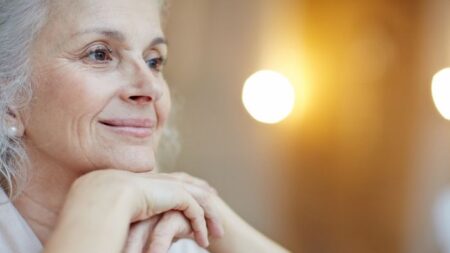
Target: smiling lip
140, 128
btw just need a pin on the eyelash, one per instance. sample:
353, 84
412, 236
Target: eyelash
105, 52
96, 51
156, 63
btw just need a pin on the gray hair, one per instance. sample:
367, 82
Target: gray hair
20, 23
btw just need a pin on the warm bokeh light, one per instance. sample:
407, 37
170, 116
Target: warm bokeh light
441, 92
268, 96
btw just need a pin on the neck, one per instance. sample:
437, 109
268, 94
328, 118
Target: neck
43, 197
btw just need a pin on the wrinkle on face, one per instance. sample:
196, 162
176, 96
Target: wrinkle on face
71, 95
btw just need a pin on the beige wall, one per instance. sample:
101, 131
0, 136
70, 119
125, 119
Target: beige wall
356, 167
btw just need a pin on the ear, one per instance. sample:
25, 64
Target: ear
13, 120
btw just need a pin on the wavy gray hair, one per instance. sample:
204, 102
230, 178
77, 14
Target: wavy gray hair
20, 23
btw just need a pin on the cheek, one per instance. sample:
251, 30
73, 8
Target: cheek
84, 87
163, 107
69, 95
63, 105
62, 115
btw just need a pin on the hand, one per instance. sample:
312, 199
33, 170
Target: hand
106, 202
157, 234
137, 241
239, 236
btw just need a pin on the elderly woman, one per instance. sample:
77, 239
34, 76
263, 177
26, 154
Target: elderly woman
83, 104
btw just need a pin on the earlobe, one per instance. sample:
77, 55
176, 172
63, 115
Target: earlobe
15, 126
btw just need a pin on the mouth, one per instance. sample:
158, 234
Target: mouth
140, 128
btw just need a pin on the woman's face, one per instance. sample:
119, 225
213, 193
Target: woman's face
100, 99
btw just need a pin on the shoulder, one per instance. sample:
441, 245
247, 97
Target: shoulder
15, 234
186, 246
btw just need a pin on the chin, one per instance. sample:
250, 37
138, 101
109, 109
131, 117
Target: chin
137, 167
133, 159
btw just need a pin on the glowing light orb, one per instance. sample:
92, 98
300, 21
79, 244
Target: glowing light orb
268, 96
440, 89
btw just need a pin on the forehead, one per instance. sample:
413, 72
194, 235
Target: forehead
131, 17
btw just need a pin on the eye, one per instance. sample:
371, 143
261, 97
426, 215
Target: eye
99, 54
156, 63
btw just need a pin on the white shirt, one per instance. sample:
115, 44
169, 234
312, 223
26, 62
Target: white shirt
17, 237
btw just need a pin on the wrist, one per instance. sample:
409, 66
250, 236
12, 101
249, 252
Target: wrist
84, 231
235, 230
240, 236
90, 222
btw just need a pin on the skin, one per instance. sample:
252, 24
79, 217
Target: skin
95, 61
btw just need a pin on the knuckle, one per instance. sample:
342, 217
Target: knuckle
202, 181
201, 212
198, 212
181, 176
203, 197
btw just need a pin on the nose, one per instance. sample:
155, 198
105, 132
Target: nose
144, 86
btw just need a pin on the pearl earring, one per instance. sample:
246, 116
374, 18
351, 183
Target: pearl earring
12, 131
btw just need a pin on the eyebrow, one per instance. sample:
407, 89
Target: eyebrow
117, 35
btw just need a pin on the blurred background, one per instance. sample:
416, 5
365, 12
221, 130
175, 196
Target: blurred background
362, 159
